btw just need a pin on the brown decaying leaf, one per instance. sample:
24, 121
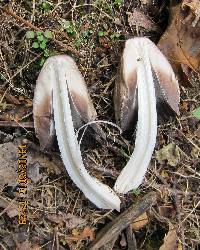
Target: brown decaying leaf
139, 19
181, 40
9, 170
8, 165
140, 222
87, 233
10, 208
197, 132
170, 152
27, 246
71, 221
170, 240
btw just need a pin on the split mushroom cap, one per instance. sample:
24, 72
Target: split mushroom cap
144, 73
61, 91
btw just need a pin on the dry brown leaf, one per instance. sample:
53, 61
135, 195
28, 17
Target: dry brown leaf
27, 246
11, 208
139, 19
140, 222
197, 132
36, 160
170, 240
8, 165
87, 233
181, 40
170, 152
70, 220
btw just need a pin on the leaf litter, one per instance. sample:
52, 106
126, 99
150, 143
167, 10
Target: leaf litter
53, 193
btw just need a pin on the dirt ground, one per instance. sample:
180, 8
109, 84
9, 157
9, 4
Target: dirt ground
93, 32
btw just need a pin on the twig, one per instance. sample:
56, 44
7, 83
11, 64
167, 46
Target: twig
15, 124
178, 215
115, 227
110, 245
30, 25
132, 245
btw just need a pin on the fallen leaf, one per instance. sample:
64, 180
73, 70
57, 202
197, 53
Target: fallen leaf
33, 172
8, 165
75, 232
185, 105
181, 40
24, 246
87, 233
36, 160
10, 98
197, 132
71, 221
27, 246
140, 222
170, 240
29, 103
11, 208
164, 174
139, 19
171, 153
195, 153
167, 211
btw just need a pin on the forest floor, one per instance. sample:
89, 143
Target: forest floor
59, 215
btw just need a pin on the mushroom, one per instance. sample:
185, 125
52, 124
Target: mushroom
61, 98
145, 79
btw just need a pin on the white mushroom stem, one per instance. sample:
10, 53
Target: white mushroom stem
133, 173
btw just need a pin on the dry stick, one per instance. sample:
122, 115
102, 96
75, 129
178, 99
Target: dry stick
132, 245
30, 25
178, 215
115, 227
15, 124
110, 245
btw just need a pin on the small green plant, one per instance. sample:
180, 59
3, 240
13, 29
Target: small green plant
196, 113
136, 192
45, 6
83, 37
101, 33
2, 77
115, 36
68, 26
106, 6
39, 40
118, 3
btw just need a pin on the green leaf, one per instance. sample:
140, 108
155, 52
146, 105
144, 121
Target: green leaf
48, 34
196, 113
45, 40
43, 45
46, 6
35, 45
100, 33
42, 61
46, 53
39, 33
30, 34
2, 77
136, 191
40, 38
